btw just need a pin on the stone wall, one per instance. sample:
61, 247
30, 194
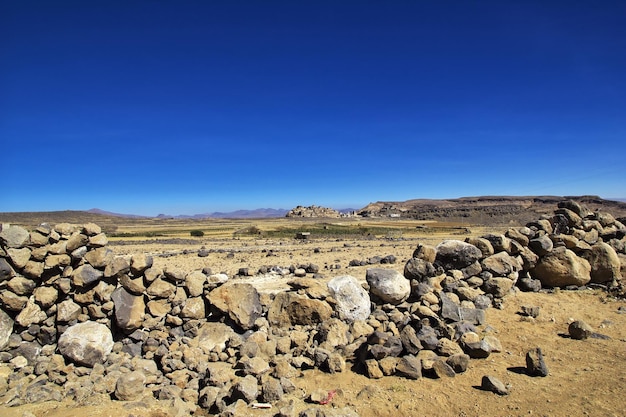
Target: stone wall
77, 321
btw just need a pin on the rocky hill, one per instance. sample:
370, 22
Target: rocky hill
488, 210
313, 211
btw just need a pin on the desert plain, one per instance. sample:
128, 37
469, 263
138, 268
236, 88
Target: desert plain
586, 377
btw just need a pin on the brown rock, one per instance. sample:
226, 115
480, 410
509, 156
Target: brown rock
561, 268
241, 302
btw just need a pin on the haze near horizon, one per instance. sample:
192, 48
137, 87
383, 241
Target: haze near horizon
192, 107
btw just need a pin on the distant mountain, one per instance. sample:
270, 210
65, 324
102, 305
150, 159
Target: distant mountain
109, 213
261, 213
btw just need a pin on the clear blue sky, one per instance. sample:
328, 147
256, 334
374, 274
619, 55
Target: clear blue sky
184, 107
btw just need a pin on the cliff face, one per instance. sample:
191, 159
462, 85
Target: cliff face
488, 210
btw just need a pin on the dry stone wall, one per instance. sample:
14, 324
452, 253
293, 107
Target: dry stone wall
77, 321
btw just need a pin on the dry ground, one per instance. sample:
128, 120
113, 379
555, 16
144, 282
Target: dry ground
586, 377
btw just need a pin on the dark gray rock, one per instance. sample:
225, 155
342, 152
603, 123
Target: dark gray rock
535, 364
541, 245
272, 390
410, 341
443, 369
246, 388
129, 309
580, 330
6, 270
458, 362
409, 367
449, 309
86, 275
419, 269
493, 384
528, 284
454, 254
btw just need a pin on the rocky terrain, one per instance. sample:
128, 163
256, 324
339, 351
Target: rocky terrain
81, 324
486, 210
313, 211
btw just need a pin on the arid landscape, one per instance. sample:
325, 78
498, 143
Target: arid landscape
585, 377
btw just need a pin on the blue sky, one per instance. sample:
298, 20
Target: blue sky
185, 107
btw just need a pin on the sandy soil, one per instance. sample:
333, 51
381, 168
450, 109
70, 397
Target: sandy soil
586, 377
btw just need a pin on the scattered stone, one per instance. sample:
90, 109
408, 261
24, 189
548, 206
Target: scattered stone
493, 384
580, 330
535, 364
530, 311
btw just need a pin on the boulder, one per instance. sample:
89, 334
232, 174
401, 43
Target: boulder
75, 241
535, 364
409, 367
6, 271
214, 336
605, 264
67, 311
580, 330
6, 328
353, 301
194, 283
426, 253
241, 302
485, 246
130, 386
30, 314
541, 245
388, 285
160, 288
13, 236
19, 257
307, 311
501, 264
139, 263
493, 384
86, 343
98, 240
498, 286
117, 267
561, 268
454, 254
86, 275
419, 269
194, 308
129, 309
99, 257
